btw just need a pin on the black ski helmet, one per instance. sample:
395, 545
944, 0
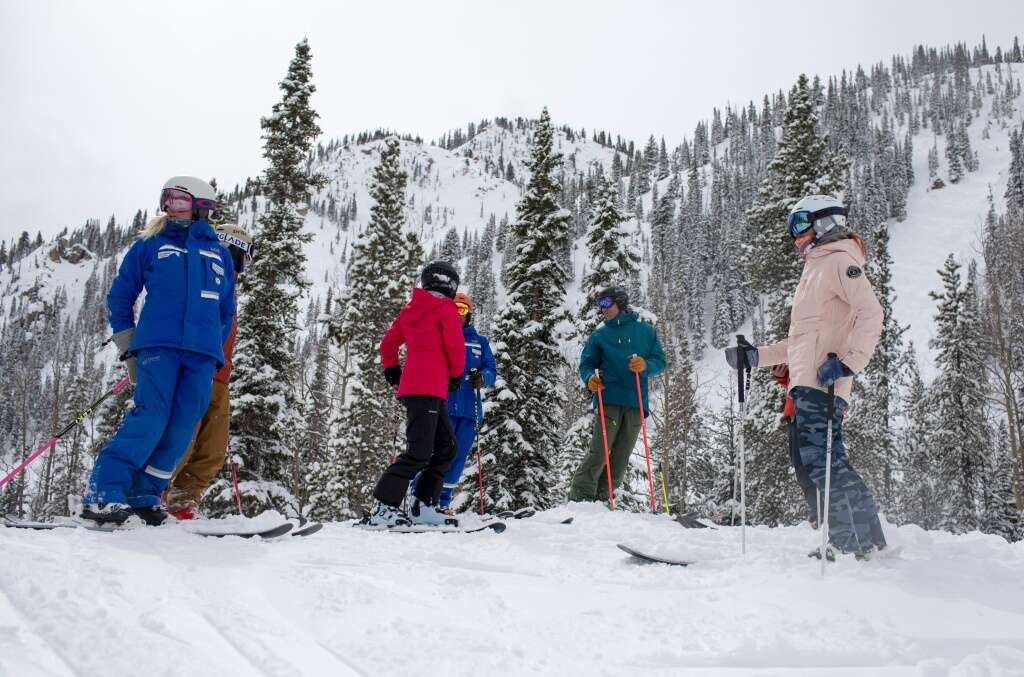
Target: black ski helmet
616, 294
440, 276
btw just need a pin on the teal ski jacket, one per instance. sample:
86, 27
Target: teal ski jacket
609, 349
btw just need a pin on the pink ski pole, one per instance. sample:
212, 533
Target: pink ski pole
68, 428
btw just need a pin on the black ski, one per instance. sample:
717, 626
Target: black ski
306, 527
262, 532
644, 557
497, 526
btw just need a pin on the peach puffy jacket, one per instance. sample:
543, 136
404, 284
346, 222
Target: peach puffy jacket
834, 311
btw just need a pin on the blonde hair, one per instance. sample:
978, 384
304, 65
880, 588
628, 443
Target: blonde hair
154, 227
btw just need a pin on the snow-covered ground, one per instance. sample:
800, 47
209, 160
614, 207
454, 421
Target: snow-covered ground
541, 599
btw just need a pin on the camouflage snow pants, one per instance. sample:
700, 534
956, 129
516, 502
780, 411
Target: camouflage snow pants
852, 515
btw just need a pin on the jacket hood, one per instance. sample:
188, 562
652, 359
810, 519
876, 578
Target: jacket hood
425, 303
847, 245
469, 331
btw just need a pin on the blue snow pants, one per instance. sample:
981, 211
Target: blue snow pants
465, 434
172, 391
853, 524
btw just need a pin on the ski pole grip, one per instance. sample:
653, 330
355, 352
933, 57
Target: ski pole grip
741, 366
831, 394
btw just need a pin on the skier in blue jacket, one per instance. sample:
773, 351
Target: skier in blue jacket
464, 406
171, 353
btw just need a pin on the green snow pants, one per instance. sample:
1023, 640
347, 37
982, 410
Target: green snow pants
590, 482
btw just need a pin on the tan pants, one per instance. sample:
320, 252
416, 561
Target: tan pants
205, 455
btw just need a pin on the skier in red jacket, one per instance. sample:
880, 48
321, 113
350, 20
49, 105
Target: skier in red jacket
430, 328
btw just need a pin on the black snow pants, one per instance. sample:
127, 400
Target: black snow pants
430, 449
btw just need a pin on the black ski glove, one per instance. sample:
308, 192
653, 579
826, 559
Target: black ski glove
476, 379
393, 375
733, 357
453, 383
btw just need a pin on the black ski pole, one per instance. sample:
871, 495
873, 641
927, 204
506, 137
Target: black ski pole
742, 369
830, 412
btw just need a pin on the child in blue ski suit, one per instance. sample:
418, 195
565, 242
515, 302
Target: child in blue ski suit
172, 352
464, 406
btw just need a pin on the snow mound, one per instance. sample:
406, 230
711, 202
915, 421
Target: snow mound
542, 598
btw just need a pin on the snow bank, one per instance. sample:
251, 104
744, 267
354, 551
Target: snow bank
542, 598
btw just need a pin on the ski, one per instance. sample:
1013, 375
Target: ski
691, 520
522, 513
306, 527
262, 532
497, 526
651, 558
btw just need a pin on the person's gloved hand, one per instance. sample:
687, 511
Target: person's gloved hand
393, 375
637, 364
453, 383
732, 355
594, 383
123, 341
780, 371
832, 370
476, 379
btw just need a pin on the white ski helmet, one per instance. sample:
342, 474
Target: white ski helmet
822, 212
204, 196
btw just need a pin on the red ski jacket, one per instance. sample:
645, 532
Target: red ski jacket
429, 327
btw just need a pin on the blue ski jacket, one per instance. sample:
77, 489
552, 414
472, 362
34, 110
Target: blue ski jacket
189, 279
609, 349
462, 403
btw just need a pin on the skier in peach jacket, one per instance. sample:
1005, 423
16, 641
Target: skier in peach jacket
834, 311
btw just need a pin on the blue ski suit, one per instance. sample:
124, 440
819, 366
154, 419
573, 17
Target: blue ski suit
465, 408
178, 344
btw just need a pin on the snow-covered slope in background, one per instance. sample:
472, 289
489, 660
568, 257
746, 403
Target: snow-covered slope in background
542, 598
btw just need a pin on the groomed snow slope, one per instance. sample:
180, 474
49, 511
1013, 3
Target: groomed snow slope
542, 598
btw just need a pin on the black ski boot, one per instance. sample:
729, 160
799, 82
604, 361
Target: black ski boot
114, 514
153, 515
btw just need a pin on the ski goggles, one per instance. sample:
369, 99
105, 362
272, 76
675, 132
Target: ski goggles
462, 308
174, 200
605, 302
799, 223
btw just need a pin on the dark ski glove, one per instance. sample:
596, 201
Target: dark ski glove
393, 375
476, 379
732, 355
453, 383
831, 371
123, 341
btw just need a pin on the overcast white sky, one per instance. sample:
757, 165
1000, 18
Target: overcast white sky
103, 101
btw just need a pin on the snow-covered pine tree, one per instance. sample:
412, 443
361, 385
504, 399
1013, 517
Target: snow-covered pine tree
919, 497
801, 166
958, 397
518, 439
1000, 515
265, 411
385, 261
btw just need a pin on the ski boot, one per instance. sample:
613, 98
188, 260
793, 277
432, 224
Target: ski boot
187, 511
114, 514
384, 515
152, 515
424, 513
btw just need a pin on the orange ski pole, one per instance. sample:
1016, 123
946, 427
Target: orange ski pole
604, 434
647, 447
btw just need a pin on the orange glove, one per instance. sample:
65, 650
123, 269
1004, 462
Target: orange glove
637, 364
594, 383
